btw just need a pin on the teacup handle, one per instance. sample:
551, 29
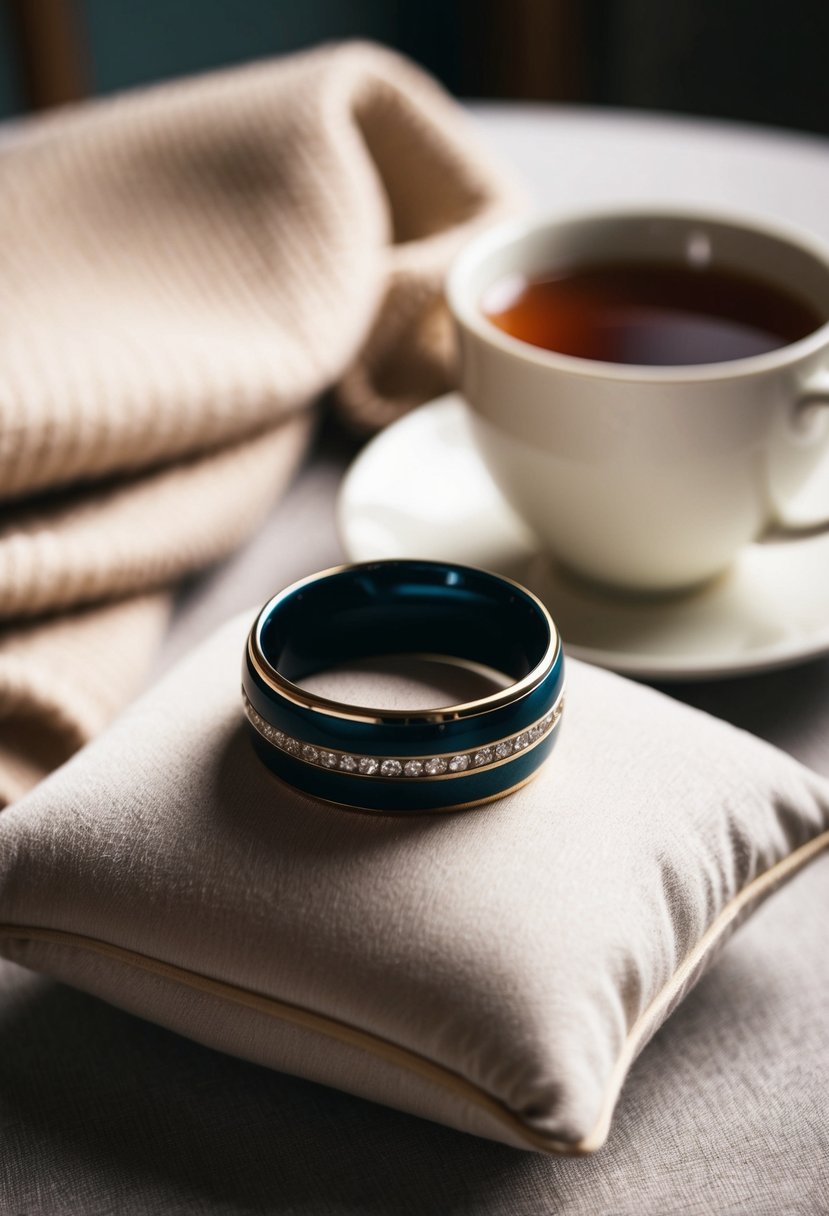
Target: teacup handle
811, 402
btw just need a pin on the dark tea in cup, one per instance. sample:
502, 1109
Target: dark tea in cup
650, 313
652, 458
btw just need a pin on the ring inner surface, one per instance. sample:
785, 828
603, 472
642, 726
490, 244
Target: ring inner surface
425, 609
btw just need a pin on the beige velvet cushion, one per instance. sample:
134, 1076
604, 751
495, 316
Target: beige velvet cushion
496, 970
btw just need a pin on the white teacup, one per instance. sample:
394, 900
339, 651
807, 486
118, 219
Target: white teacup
642, 477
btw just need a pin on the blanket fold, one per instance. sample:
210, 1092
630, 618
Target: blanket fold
186, 269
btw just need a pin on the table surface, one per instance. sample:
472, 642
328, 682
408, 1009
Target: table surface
573, 159
100, 1112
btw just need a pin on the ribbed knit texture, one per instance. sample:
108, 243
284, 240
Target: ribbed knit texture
64, 678
185, 270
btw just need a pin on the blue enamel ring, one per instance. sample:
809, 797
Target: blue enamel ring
400, 760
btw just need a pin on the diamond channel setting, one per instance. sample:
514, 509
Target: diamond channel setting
404, 768
435, 767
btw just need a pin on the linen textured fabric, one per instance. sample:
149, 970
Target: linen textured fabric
724, 1113
496, 971
185, 270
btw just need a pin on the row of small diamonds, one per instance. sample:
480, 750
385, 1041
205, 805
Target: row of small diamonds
389, 766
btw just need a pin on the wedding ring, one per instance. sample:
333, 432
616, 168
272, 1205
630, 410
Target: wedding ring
401, 760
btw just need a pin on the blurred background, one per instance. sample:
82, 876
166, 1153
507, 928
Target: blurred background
737, 59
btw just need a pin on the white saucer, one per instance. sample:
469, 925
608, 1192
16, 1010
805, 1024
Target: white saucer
420, 489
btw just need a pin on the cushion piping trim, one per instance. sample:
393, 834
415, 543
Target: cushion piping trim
651, 1017
305, 1019
404, 1057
